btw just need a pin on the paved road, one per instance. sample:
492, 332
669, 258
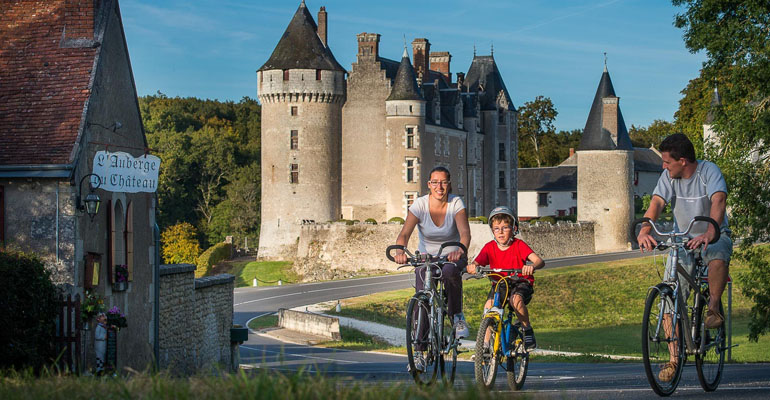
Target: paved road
558, 380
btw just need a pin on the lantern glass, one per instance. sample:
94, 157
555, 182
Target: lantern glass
92, 204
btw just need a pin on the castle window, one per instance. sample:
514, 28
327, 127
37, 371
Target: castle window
294, 140
460, 150
410, 137
411, 173
294, 176
574, 195
286, 74
501, 117
501, 179
129, 238
409, 198
573, 211
501, 152
542, 199
318, 74
294, 111
561, 213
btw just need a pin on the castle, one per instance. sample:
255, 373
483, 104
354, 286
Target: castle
360, 144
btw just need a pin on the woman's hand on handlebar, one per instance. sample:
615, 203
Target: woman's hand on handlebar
401, 257
455, 255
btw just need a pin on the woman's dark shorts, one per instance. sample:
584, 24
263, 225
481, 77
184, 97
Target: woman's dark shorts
522, 287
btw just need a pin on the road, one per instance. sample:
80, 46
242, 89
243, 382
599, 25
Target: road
573, 380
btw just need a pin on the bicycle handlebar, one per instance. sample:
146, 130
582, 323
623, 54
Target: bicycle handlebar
419, 258
673, 234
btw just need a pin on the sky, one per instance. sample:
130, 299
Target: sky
212, 48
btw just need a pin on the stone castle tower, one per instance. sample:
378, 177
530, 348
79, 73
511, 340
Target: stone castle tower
709, 136
302, 90
404, 127
605, 160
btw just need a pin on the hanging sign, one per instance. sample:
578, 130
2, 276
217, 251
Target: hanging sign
121, 172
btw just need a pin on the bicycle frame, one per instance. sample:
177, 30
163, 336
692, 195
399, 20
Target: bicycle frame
503, 339
433, 295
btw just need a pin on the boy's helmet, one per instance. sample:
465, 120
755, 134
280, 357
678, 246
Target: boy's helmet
507, 211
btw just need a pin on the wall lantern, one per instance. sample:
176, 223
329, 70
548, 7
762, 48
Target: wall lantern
92, 201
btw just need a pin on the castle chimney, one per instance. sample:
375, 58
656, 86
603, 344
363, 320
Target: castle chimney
420, 57
368, 45
440, 60
79, 19
571, 151
610, 116
460, 80
322, 25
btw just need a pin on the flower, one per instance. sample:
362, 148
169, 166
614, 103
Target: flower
116, 318
121, 273
92, 304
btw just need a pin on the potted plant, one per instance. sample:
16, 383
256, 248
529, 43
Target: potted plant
121, 278
92, 304
116, 318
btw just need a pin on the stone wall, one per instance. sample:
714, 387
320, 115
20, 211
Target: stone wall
335, 251
195, 320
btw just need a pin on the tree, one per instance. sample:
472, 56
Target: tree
180, 244
651, 135
735, 36
535, 121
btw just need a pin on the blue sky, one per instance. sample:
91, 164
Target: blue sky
212, 48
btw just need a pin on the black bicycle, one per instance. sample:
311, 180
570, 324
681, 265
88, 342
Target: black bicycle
426, 313
673, 325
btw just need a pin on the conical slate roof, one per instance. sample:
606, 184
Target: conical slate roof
485, 76
405, 84
716, 101
594, 136
301, 48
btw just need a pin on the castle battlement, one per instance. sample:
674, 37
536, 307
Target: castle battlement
301, 85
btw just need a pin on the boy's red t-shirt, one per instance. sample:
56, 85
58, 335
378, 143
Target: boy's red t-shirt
513, 257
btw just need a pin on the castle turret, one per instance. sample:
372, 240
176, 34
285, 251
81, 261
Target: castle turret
302, 90
709, 136
605, 160
404, 130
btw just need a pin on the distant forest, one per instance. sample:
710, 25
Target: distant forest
210, 173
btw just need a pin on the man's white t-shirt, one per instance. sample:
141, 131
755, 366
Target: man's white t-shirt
432, 236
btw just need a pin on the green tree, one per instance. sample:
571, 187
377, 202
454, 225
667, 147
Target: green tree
535, 121
735, 37
180, 244
651, 135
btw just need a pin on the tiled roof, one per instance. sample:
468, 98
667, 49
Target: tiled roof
300, 47
405, 84
548, 179
43, 86
484, 76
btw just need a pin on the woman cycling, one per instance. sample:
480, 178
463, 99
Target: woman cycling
440, 217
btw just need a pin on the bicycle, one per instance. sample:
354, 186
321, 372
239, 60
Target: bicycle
428, 306
666, 307
505, 342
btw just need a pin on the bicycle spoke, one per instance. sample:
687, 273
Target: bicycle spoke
710, 362
662, 343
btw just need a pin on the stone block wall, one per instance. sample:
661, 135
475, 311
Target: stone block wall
195, 319
336, 251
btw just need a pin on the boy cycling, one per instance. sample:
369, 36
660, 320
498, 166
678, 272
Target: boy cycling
507, 252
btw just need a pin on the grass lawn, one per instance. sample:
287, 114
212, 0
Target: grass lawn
594, 308
265, 321
267, 272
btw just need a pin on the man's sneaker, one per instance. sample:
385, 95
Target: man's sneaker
713, 319
419, 362
667, 372
461, 327
529, 339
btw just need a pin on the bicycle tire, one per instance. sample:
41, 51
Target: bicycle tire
517, 363
448, 337
656, 349
711, 363
485, 363
429, 375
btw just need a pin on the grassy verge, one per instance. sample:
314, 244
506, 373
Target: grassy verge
353, 339
263, 385
595, 308
267, 272
265, 321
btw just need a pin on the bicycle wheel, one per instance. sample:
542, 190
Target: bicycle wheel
485, 361
450, 361
517, 363
660, 343
711, 361
417, 313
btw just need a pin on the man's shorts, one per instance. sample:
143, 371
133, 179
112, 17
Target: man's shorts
721, 250
522, 287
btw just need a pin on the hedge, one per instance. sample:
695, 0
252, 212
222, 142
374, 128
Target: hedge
213, 256
396, 220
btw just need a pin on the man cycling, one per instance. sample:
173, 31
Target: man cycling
696, 188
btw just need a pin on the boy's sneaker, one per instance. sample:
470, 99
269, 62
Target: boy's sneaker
461, 327
419, 362
529, 339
